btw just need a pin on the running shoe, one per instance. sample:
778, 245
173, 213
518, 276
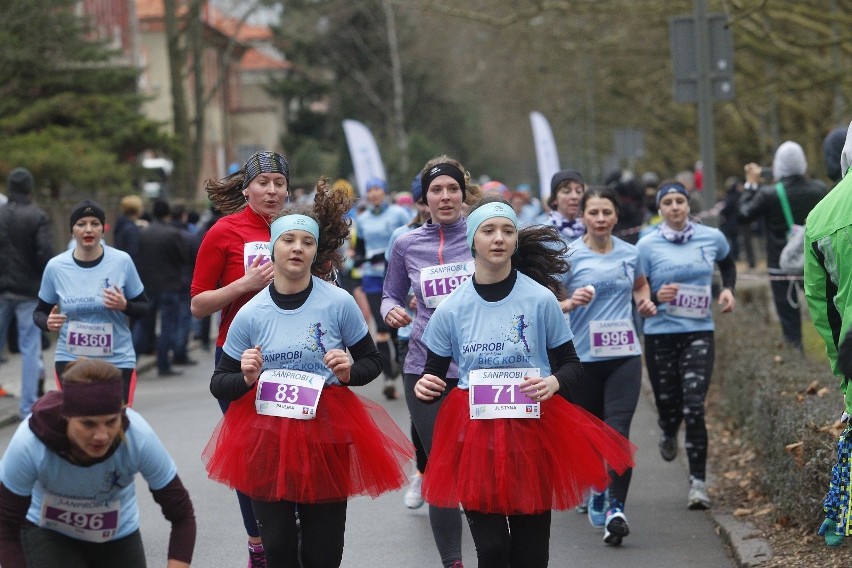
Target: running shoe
698, 498
583, 507
390, 389
256, 559
4, 393
668, 447
413, 497
597, 509
616, 527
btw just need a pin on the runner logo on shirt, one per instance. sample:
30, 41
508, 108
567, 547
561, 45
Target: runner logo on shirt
516, 333
315, 334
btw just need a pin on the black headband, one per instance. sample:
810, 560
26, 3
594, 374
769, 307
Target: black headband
443, 169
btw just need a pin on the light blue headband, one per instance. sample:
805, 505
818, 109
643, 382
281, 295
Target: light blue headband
292, 223
488, 211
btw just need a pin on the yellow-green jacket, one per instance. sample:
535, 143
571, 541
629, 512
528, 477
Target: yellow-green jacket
828, 272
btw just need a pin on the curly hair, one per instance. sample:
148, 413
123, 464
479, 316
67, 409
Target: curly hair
329, 211
541, 254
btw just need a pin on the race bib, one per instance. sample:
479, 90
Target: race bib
89, 339
436, 282
691, 302
253, 250
82, 519
496, 393
615, 338
288, 394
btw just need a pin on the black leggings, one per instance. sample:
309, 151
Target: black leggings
316, 543
44, 548
610, 390
680, 366
515, 541
446, 522
244, 501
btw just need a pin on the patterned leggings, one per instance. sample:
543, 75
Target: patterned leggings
680, 366
836, 504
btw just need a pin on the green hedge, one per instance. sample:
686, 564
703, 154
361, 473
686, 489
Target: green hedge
763, 388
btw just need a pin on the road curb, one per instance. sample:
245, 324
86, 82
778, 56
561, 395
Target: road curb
747, 548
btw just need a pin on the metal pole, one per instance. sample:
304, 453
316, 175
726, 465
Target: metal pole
706, 132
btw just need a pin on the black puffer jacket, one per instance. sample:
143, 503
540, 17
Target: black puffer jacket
802, 193
26, 244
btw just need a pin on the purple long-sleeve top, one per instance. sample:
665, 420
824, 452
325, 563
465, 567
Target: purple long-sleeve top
429, 245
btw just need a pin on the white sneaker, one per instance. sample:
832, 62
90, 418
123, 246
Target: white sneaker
698, 498
413, 498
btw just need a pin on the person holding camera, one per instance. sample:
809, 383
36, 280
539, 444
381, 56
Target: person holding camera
764, 200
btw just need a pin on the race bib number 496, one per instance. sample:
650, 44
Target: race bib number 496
496, 393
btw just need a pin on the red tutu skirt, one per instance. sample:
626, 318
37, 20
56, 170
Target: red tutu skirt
517, 466
351, 447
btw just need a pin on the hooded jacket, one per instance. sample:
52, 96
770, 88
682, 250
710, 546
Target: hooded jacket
828, 267
26, 244
788, 167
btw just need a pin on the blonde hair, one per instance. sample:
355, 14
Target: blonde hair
131, 205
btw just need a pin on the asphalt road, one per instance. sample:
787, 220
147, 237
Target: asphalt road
383, 532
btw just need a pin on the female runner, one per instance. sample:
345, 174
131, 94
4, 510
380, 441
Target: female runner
430, 262
678, 260
566, 189
296, 439
233, 265
603, 281
97, 288
68, 496
504, 447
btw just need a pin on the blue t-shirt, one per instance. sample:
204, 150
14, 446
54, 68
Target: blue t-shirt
79, 293
613, 275
515, 332
298, 339
29, 468
691, 264
375, 230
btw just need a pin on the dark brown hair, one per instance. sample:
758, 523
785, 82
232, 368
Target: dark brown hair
603, 192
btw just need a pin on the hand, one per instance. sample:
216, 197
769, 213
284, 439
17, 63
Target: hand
581, 297
752, 172
646, 308
667, 293
429, 387
55, 320
114, 299
540, 388
340, 364
397, 317
258, 275
727, 300
251, 364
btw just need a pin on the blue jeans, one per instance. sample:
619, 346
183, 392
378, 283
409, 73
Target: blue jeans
167, 304
29, 344
183, 327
